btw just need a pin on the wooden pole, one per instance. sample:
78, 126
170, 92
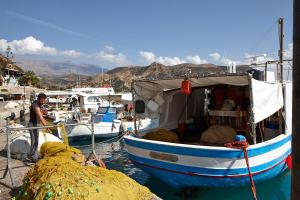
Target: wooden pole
251, 120
296, 105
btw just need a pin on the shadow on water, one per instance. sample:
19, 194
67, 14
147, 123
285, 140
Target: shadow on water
115, 156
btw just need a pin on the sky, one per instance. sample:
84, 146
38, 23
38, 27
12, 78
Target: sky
138, 32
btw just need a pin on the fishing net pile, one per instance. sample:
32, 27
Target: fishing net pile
60, 174
162, 135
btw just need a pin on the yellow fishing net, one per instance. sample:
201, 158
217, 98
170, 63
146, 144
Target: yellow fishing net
162, 135
60, 175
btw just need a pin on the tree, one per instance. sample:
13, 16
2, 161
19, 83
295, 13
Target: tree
29, 78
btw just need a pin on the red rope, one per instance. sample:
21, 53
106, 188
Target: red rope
243, 145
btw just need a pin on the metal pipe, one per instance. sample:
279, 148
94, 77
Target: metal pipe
8, 166
266, 69
93, 134
295, 193
133, 100
43, 127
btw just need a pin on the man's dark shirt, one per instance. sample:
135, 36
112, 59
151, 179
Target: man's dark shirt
33, 118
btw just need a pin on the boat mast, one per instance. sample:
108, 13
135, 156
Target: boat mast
280, 52
280, 70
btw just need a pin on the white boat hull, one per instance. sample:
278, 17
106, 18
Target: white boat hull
181, 165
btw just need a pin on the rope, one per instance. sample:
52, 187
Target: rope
64, 134
243, 145
104, 141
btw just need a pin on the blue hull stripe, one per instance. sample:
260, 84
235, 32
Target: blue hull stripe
207, 171
208, 175
180, 180
213, 153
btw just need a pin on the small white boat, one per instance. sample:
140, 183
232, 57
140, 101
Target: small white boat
106, 124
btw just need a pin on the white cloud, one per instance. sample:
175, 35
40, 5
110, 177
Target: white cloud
150, 57
195, 60
71, 53
169, 61
33, 46
29, 45
109, 48
226, 61
257, 59
147, 56
288, 53
115, 58
215, 56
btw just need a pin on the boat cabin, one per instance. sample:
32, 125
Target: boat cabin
212, 110
106, 114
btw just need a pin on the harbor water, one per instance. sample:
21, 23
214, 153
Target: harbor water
115, 156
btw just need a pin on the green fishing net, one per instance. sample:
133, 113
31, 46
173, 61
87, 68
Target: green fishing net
162, 135
60, 174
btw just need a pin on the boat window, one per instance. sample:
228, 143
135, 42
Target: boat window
102, 110
112, 110
98, 118
93, 99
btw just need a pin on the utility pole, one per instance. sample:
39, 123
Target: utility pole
101, 76
280, 53
296, 104
98, 76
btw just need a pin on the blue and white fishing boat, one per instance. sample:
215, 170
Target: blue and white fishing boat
105, 120
259, 110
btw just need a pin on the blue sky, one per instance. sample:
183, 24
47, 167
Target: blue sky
114, 33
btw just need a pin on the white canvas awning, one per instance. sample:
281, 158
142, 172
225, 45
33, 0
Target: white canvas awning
149, 88
267, 99
173, 84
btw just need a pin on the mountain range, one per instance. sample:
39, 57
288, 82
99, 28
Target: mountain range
66, 74
57, 68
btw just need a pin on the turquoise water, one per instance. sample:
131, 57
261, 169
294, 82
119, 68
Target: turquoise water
115, 156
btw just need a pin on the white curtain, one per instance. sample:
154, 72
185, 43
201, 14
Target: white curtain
267, 99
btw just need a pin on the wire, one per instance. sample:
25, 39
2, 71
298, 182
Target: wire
105, 141
264, 35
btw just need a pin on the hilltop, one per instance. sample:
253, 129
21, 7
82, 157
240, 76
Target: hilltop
7, 63
121, 77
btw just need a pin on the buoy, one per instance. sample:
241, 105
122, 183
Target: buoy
186, 88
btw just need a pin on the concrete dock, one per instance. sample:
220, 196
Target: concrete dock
19, 168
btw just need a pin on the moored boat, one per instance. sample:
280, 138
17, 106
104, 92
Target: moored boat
104, 122
260, 111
